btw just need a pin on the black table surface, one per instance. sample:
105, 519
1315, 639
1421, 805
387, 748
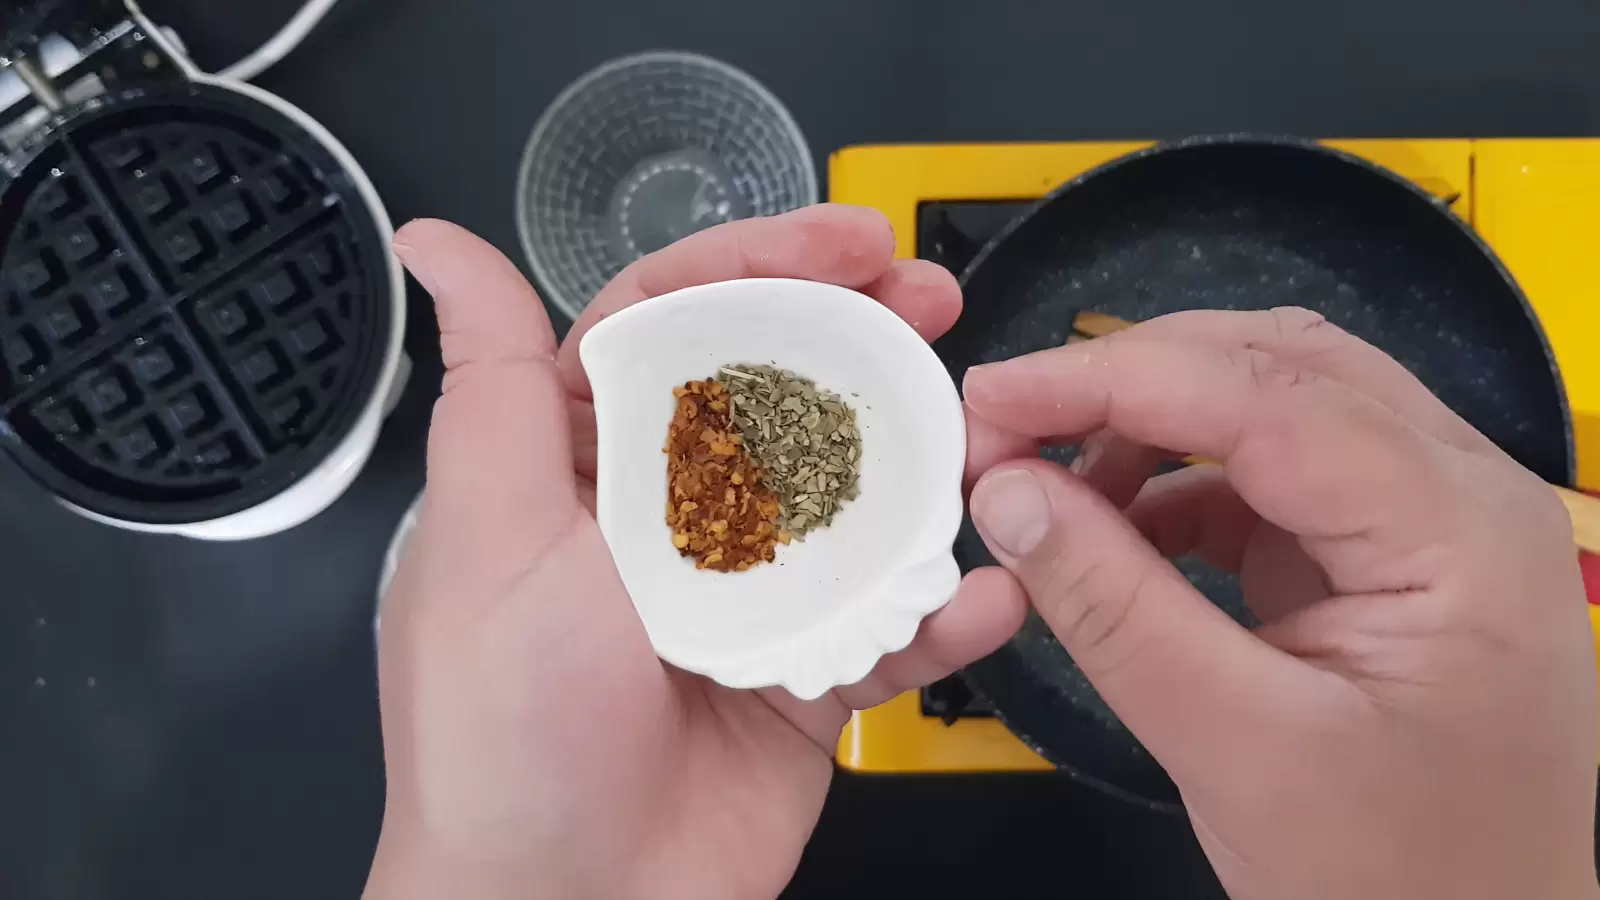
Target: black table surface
181, 720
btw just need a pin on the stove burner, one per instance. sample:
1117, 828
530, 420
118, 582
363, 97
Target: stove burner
951, 234
192, 307
951, 698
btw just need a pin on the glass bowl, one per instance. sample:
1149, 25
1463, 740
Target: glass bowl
645, 150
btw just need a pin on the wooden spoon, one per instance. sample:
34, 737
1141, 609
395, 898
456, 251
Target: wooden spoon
1582, 508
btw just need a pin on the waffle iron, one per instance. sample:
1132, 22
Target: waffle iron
200, 319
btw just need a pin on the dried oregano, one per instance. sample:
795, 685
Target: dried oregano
804, 438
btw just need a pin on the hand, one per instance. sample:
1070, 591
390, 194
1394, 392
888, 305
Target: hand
1416, 718
535, 746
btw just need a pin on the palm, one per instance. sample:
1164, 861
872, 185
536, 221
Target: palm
693, 779
749, 788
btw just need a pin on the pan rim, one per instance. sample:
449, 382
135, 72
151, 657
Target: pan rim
1290, 142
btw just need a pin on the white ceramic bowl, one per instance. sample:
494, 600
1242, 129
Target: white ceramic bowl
391, 559
825, 612
397, 546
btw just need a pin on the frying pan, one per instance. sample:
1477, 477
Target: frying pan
1242, 222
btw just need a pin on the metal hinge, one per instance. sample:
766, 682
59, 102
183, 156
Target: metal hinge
82, 51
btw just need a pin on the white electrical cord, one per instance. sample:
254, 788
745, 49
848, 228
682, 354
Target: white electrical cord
280, 44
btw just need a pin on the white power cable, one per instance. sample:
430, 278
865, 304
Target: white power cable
280, 44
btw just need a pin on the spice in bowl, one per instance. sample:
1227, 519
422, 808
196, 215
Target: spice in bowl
756, 456
720, 513
804, 439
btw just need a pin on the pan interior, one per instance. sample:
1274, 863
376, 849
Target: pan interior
1244, 226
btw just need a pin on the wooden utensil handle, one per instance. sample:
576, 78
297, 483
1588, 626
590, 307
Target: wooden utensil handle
1585, 513
1582, 508
1098, 324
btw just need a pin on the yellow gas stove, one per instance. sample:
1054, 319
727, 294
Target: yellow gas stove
1535, 201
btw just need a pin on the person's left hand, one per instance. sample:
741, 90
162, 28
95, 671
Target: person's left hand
535, 746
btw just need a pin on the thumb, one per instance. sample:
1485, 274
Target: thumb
499, 450
1183, 677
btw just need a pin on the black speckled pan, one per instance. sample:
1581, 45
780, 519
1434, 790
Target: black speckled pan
192, 306
1244, 223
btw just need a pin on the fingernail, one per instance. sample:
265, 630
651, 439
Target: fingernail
1013, 511
409, 258
974, 376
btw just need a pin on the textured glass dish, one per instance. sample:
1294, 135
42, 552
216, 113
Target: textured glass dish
645, 150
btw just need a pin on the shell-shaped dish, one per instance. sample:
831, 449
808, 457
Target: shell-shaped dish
831, 606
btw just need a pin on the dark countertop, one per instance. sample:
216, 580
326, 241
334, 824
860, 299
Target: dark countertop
180, 720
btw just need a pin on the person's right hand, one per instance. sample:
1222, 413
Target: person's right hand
1416, 718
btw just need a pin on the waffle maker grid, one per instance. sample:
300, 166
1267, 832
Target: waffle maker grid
189, 309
